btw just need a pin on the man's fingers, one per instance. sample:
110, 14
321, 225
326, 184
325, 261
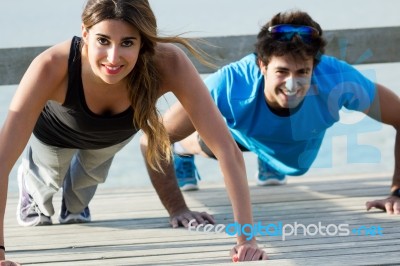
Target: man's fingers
204, 218
185, 223
198, 218
192, 218
396, 207
389, 207
369, 205
208, 217
174, 222
379, 204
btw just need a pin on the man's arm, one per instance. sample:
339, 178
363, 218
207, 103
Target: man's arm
178, 125
386, 108
396, 175
170, 195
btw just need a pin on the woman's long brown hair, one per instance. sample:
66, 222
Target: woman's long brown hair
144, 80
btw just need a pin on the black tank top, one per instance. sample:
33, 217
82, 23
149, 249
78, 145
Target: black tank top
72, 124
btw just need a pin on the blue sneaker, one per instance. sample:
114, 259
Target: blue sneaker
28, 212
66, 217
267, 176
186, 172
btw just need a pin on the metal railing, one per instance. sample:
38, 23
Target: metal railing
356, 46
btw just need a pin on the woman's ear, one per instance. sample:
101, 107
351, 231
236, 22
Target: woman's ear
85, 33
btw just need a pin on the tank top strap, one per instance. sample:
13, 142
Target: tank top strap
74, 73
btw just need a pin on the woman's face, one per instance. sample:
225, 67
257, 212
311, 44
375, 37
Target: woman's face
112, 49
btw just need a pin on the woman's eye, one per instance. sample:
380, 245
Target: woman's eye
127, 43
102, 41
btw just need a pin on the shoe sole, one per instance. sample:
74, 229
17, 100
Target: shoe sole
74, 219
189, 187
43, 220
271, 182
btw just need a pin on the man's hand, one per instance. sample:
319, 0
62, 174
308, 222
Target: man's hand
247, 252
185, 217
391, 205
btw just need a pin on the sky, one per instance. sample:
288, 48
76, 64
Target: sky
46, 22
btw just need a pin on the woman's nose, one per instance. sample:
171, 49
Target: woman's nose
113, 55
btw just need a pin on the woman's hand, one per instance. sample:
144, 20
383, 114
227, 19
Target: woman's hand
8, 263
247, 252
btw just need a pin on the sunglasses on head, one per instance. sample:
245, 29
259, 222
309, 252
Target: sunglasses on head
286, 32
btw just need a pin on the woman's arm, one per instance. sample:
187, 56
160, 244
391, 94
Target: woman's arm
43, 81
181, 77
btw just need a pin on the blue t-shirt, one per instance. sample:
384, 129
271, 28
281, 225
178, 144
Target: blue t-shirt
288, 144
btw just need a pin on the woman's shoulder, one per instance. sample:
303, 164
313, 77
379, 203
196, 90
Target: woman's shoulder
55, 55
167, 54
52, 64
49, 71
173, 65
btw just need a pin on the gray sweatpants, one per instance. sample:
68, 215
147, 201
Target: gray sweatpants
46, 169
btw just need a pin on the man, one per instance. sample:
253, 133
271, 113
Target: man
279, 102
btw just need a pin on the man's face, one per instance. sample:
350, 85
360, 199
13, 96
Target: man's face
287, 81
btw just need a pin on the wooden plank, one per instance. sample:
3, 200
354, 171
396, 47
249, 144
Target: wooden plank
130, 227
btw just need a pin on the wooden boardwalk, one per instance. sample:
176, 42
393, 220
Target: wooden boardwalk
130, 227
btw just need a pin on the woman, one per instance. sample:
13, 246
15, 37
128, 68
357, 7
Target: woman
85, 99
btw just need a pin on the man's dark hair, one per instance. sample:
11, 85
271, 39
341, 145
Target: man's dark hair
267, 46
